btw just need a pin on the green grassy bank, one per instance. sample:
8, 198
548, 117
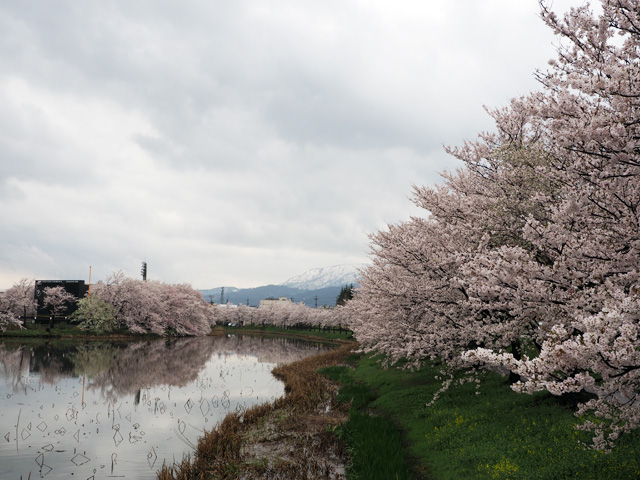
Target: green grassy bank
72, 330
496, 434
64, 330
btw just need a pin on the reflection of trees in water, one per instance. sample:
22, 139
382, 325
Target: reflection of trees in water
45, 359
143, 364
271, 349
15, 365
179, 361
89, 359
123, 368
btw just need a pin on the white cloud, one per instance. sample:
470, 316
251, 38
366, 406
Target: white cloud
237, 143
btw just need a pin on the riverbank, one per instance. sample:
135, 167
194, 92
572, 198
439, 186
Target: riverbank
326, 335
488, 432
292, 438
318, 430
375, 423
68, 331
73, 331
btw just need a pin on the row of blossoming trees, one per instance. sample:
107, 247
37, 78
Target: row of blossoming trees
281, 314
118, 303
154, 307
146, 307
528, 256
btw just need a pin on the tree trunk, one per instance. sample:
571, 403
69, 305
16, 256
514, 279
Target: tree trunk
516, 351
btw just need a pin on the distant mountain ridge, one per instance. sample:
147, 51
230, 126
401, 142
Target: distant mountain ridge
317, 287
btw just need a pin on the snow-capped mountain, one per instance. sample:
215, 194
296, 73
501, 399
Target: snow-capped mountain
315, 288
335, 276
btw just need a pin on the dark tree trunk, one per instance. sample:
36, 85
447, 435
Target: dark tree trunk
516, 351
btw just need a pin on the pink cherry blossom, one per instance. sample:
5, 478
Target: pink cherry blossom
527, 257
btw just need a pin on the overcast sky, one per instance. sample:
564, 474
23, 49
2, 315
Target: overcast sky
242, 142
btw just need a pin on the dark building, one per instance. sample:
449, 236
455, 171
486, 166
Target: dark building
77, 288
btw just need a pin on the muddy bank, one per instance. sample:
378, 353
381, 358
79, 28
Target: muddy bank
290, 439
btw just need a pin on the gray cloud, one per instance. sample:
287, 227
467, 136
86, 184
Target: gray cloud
237, 142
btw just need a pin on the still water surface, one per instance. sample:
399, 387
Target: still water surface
120, 409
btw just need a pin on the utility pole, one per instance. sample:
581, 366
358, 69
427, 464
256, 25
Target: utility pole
143, 271
316, 299
222, 296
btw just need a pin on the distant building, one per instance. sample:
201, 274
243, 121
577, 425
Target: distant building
77, 288
226, 305
272, 301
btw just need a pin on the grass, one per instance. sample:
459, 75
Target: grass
60, 330
375, 446
496, 434
40, 330
375, 443
71, 330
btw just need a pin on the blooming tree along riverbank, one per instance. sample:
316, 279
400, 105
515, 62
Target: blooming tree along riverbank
527, 257
152, 306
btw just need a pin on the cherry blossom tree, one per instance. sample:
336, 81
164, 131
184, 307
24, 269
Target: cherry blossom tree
590, 109
535, 242
184, 309
155, 307
422, 278
17, 303
57, 300
280, 314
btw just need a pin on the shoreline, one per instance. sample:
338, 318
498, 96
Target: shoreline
292, 437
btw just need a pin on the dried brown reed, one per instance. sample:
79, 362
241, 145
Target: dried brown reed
289, 439
304, 386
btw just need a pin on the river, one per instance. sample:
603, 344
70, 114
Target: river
91, 410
